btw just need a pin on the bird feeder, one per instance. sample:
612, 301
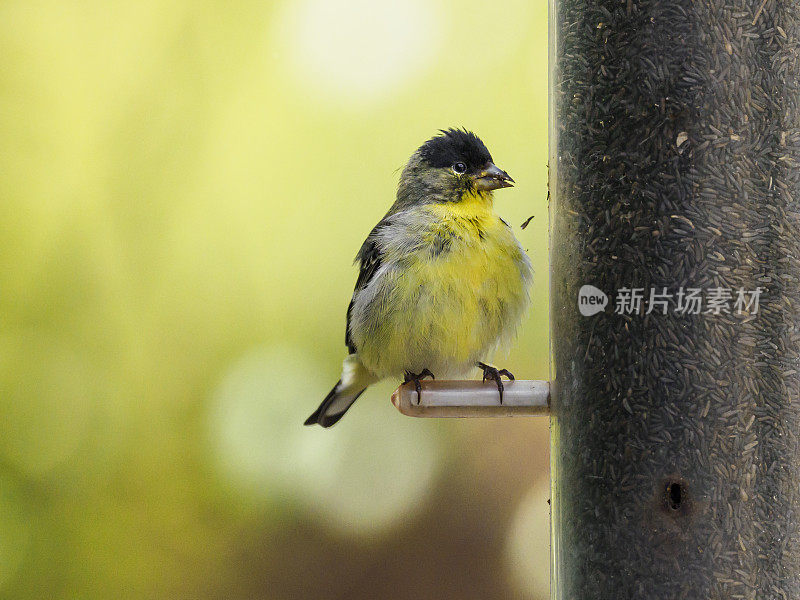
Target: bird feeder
675, 299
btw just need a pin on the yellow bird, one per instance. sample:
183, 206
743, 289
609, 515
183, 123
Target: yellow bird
442, 281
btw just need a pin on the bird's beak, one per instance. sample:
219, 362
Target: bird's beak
492, 178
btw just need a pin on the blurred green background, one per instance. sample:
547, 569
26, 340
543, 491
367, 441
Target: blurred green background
184, 186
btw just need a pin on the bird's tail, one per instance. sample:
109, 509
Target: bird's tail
355, 379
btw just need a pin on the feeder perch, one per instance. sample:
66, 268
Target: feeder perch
473, 399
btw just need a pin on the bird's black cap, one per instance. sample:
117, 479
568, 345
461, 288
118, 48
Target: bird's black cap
455, 145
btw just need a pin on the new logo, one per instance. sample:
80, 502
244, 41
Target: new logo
591, 300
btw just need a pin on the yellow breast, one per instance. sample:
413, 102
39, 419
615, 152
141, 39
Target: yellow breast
482, 252
458, 294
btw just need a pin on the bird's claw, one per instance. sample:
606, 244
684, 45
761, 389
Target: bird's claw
416, 377
492, 374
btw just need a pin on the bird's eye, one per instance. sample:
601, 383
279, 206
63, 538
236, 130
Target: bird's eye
460, 168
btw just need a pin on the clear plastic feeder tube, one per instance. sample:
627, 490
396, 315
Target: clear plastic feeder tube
675, 290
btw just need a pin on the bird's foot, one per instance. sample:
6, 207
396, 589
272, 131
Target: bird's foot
491, 373
416, 377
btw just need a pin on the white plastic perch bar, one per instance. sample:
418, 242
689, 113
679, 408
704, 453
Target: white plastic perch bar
473, 399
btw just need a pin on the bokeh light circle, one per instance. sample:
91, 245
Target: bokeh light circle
357, 50
363, 475
528, 542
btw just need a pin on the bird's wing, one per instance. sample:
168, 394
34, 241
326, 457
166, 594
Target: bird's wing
369, 258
